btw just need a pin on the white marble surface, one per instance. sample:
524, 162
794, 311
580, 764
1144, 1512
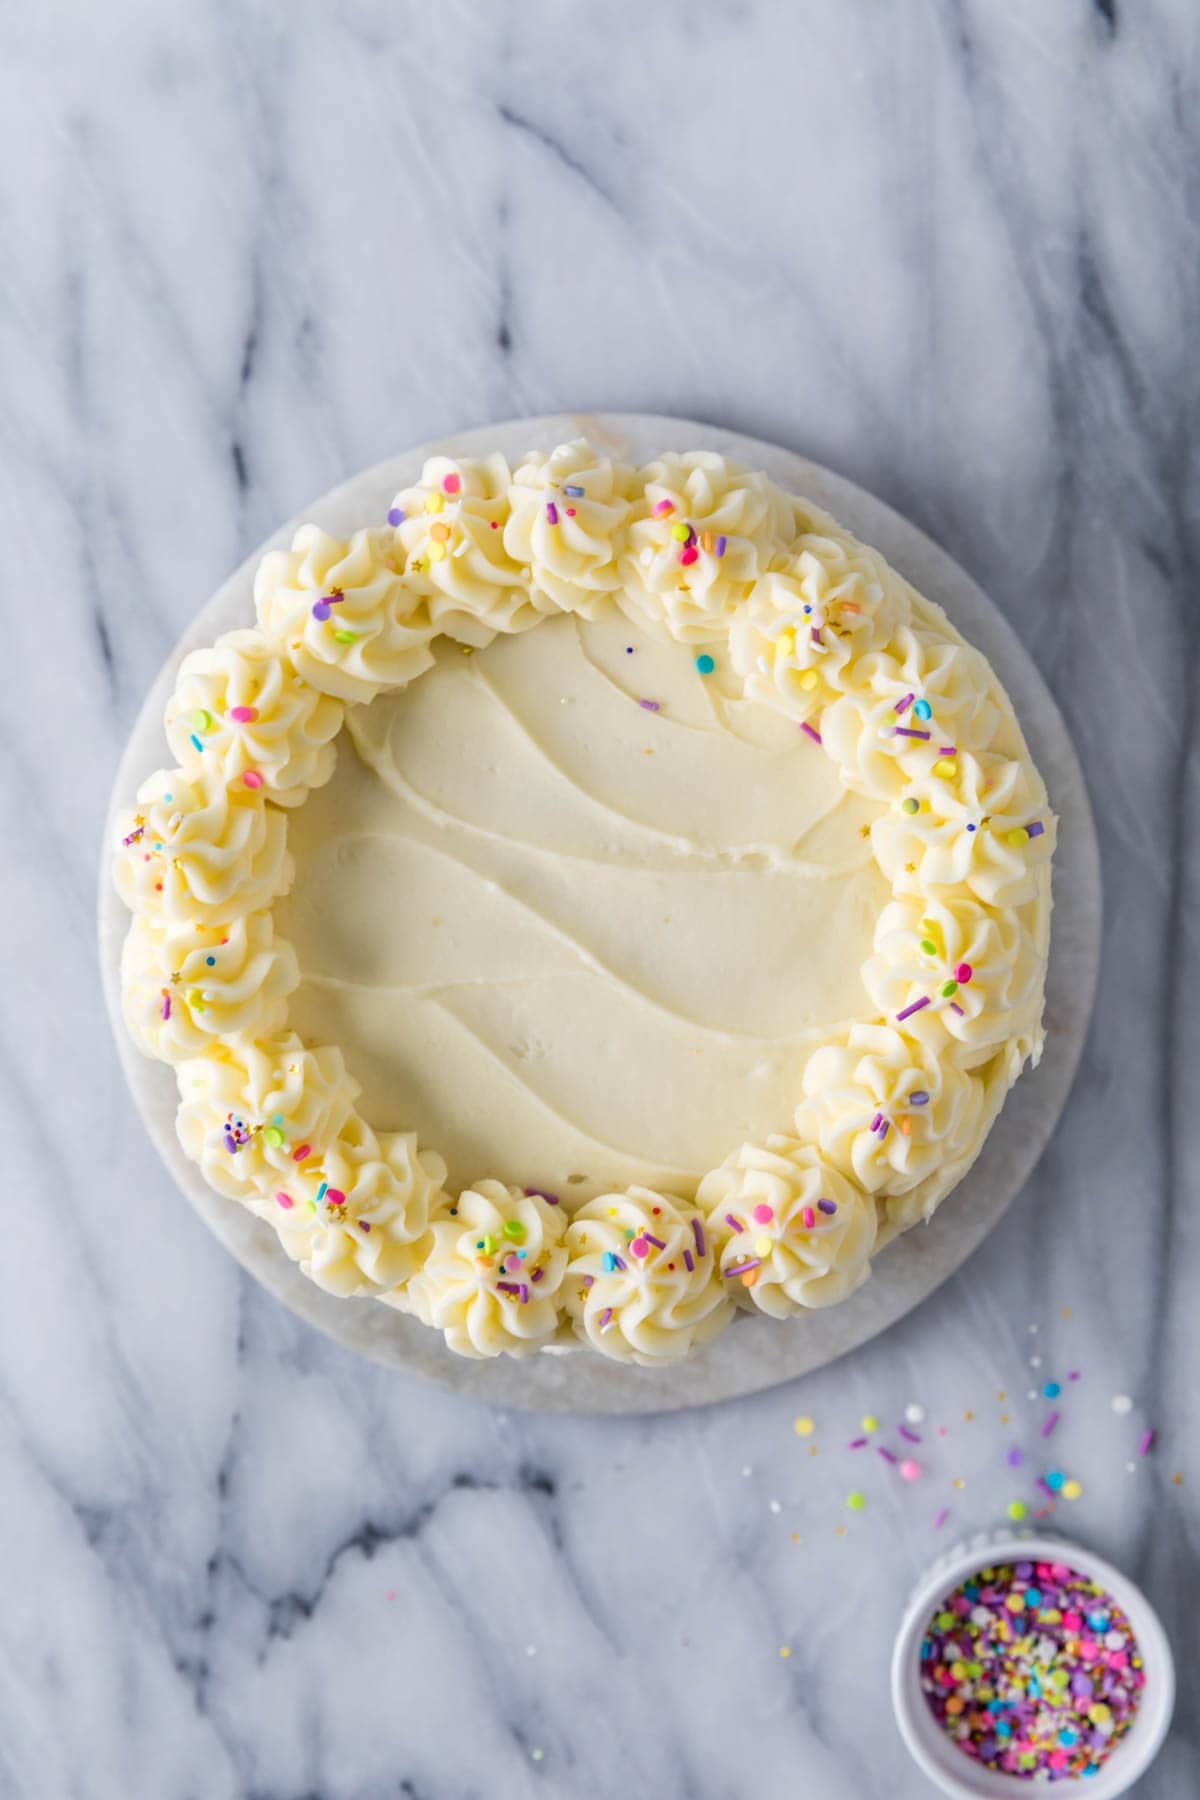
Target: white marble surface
948, 248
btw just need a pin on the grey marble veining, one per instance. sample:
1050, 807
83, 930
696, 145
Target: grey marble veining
949, 248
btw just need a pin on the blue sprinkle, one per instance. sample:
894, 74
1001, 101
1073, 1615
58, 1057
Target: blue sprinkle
198, 745
1052, 1390
923, 709
321, 1190
576, 493
1033, 1596
610, 1262
705, 664
211, 961
1054, 1480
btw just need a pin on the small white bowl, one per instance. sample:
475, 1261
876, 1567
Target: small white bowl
938, 1756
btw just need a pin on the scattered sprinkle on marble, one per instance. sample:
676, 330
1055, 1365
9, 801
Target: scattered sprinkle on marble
914, 1412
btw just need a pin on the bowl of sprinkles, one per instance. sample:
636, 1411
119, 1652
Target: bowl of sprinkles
1028, 1659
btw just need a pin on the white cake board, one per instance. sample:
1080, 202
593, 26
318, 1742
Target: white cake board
753, 1353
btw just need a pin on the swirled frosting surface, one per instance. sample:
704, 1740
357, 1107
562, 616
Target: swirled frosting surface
575, 940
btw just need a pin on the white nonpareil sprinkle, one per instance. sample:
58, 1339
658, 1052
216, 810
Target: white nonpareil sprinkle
914, 1412
1121, 1403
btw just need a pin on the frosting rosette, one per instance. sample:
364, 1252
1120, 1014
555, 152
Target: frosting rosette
808, 619
491, 1277
183, 986
963, 978
887, 1111
195, 851
701, 532
347, 622
567, 518
985, 830
642, 1283
243, 711
793, 1233
450, 530
251, 1114
356, 1218
914, 711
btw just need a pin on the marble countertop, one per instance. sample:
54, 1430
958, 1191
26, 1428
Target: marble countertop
948, 249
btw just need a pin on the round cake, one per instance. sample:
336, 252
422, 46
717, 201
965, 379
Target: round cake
703, 932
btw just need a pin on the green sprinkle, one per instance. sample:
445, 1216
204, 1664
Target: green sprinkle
948, 988
273, 1136
929, 947
856, 1501
202, 720
514, 1229
346, 637
1017, 1509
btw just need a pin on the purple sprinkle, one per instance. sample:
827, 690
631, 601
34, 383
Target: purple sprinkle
619, 1263
730, 1220
509, 1287
364, 1225
812, 732
719, 546
657, 1242
1046, 1488
907, 731
884, 1128
1036, 829
744, 1268
902, 706
887, 1455
588, 1280
1015, 1457
1147, 1443
1075, 1375
1048, 1423
551, 512
947, 750
166, 1006
908, 1012
606, 1318
856, 1443
396, 515
698, 1234
910, 1437
918, 1097
689, 1262
650, 705
541, 1194
816, 634
941, 1518
955, 1007
321, 610
537, 1274
876, 1121
827, 1206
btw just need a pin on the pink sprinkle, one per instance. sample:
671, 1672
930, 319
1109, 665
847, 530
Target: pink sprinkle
286, 1201
810, 731
941, 1518
245, 715
908, 1013
809, 1217
663, 507
763, 1214
252, 778
963, 973
910, 1470
640, 1247
300, 1154
570, 512
551, 512
650, 705
452, 484
735, 1224
334, 1197
902, 706
1147, 1443
1048, 1423
688, 555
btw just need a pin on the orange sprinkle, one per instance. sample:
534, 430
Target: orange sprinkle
706, 542
439, 533
749, 1278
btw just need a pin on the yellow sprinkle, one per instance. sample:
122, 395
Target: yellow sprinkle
762, 1246
1072, 1490
1066, 1312
785, 643
947, 770
959, 1482
784, 1651
809, 679
681, 533
856, 1501
1018, 837
437, 552
870, 1423
1017, 1509
434, 503
803, 1427
439, 533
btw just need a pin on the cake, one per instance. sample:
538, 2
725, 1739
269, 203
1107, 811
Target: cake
703, 931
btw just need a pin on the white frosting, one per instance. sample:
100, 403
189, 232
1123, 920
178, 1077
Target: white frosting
880, 1012
642, 1283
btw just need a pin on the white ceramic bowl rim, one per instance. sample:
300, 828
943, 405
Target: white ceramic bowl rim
936, 1754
